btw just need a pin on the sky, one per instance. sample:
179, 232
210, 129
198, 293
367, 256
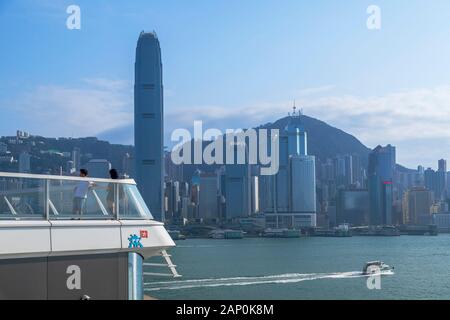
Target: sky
233, 64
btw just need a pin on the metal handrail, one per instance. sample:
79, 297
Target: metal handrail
51, 208
66, 178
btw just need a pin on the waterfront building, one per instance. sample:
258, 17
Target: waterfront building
148, 123
417, 203
380, 177
332, 215
442, 221
293, 188
352, 206
303, 184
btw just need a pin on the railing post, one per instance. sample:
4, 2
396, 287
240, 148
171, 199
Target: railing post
116, 199
47, 199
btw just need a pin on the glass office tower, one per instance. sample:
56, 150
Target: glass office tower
148, 123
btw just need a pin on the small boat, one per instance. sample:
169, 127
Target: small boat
372, 267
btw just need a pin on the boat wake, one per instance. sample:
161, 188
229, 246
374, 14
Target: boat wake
246, 281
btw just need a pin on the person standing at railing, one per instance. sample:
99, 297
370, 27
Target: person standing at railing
80, 193
110, 198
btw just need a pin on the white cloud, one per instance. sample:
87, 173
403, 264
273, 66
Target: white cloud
315, 90
82, 111
396, 117
108, 84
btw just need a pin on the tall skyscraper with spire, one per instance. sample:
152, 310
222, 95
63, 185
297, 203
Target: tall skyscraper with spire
289, 197
302, 173
148, 123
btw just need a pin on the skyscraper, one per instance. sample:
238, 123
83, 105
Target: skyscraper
344, 170
303, 184
380, 175
24, 162
293, 204
238, 186
98, 168
76, 158
352, 206
436, 181
208, 208
430, 180
416, 204
441, 180
442, 164
302, 177
148, 123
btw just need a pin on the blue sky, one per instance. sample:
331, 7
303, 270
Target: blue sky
233, 64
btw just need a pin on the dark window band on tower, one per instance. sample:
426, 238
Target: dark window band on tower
148, 115
150, 86
148, 162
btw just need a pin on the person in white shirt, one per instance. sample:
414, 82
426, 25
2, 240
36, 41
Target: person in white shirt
80, 193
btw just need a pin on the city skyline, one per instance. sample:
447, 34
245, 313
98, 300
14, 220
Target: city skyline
89, 71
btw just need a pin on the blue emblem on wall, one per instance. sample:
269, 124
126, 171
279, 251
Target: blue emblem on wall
135, 241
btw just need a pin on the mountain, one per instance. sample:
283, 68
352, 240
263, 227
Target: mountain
325, 141
49, 154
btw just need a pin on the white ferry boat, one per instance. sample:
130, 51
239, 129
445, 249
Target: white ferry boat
51, 247
372, 267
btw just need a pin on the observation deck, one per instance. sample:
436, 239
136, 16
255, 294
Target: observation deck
51, 222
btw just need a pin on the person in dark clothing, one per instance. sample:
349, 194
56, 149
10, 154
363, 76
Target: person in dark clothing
111, 190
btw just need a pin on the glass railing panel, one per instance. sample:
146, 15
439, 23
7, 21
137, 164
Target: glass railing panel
22, 198
80, 199
25, 197
131, 204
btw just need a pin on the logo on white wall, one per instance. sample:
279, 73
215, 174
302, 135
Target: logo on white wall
74, 280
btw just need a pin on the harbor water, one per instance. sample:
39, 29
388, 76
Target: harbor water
306, 268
